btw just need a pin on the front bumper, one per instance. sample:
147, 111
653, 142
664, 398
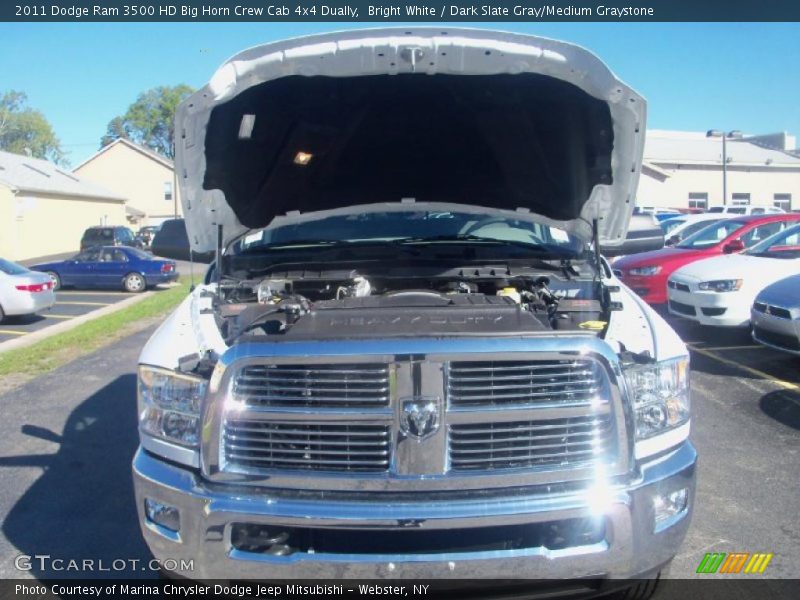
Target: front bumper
776, 332
725, 309
632, 544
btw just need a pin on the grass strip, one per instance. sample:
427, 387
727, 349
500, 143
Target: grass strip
64, 347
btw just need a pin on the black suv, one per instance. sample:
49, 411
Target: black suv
109, 236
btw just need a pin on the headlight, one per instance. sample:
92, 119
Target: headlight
721, 285
648, 271
660, 394
169, 405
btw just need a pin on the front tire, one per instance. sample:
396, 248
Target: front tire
2, 314
55, 279
134, 283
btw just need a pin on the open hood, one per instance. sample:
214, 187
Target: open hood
509, 124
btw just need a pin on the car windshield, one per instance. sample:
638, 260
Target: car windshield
10, 268
711, 235
413, 227
785, 244
671, 224
716, 209
695, 227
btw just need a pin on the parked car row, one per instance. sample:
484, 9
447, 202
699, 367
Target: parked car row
26, 291
726, 270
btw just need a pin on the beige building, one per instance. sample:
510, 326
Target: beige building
683, 169
44, 210
145, 178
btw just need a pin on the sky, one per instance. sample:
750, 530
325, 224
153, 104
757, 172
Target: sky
695, 76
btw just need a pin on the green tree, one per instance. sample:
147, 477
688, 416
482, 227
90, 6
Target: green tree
25, 130
150, 121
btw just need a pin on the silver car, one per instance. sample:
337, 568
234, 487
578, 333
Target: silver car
776, 315
22, 291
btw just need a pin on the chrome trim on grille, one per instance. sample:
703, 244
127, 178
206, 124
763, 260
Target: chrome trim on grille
480, 385
309, 446
564, 443
417, 369
356, 385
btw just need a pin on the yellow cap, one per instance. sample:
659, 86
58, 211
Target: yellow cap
593, 325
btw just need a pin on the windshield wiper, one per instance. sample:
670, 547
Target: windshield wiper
466, 237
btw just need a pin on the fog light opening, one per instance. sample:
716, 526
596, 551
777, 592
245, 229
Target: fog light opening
164, 515
668, 508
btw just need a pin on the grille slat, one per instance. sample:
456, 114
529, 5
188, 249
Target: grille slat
307, 446
532, 444
236, 438
528, 448
232, 427
515, 427
313, 386
516, 383
533, 375
293, 464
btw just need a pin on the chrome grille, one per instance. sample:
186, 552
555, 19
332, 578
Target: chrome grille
321, 386
524, 444
503, 383
509, 417
775, 311
307, 446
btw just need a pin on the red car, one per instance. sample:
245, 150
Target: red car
647, 273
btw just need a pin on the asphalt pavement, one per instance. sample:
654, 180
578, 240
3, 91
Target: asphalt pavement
67, 438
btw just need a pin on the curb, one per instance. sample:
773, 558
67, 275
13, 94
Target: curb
42, 334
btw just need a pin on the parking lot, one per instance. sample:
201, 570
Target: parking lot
75, 443
69, 304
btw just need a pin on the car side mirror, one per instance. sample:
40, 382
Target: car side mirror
672, 240
733, 247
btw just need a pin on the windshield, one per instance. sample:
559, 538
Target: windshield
671, 224
10, 268
711, 235
785, 244
716, 209
413, 227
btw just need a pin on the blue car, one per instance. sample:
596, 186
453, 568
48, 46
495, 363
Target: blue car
110, 267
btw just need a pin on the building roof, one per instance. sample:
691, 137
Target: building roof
134, 212
141, 149
26, 174
690, 147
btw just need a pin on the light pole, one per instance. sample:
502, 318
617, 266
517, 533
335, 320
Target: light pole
734, 135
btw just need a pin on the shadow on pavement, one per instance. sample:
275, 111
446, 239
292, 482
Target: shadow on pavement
783, 406
82, 507
22, 319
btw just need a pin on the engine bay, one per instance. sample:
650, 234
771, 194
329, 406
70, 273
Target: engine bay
336, 304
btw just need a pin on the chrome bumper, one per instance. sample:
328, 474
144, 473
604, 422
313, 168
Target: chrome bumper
632, 543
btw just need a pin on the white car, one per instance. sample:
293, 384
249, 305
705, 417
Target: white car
682, 226
746, 210
22, 291
720, 290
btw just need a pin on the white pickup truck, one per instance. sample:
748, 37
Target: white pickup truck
410, 359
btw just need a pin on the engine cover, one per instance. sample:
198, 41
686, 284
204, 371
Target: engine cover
414, 314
